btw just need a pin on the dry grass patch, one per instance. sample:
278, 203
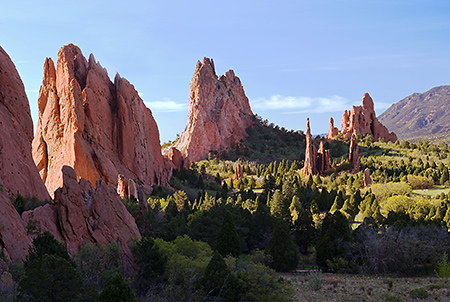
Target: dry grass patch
359, 288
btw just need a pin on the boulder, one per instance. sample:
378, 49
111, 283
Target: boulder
219, 114
99, 128
367, 178
122, 186
18, 173
362, 120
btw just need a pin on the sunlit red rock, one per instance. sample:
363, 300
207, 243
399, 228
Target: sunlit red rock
219, 114
361, 120
98, 127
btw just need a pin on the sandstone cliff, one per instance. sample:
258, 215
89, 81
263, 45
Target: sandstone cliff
100, 128
219, 113
361, 120
18, 174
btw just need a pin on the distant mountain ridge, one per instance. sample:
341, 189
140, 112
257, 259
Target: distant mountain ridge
420, 114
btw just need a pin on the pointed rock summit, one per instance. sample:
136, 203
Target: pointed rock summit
219, 113
361, 120
99, 128
18, 174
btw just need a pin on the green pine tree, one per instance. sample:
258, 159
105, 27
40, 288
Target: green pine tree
228, 241
281, 249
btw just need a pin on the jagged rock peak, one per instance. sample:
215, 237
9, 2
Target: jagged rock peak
219, 113
99, 128
362, 120
18, 174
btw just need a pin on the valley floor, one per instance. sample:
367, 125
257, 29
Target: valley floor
359, 288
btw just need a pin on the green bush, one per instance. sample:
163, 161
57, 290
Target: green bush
443, 268
418, 293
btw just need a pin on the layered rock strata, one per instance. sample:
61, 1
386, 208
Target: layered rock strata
100, 128
18, 174
219, 114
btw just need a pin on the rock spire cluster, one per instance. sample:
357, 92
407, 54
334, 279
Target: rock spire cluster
219, 114
316, 161
361, 120
99, 128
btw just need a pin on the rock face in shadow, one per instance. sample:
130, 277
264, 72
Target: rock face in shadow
83, 214
100, 128
361, 120
219, 114
18, 174
14, 240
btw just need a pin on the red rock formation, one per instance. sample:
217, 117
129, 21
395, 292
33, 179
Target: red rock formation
14, 241
122, 186
101, 129
333, 131
367, 178
362, 120
323, 159
316, 161
219, 113
238, 172
310, 153
18, 174
353, 154
83, 214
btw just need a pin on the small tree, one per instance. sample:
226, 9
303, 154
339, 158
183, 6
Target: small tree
49, 273
117, 290
281, 249
228, 241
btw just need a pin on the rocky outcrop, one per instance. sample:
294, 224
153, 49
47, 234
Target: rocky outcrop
18, 174
238, 172
323, 159
353, 154
367, 178
82, 214
100, 128
316, 161
361, 120
332, 131
219, 113
14, 241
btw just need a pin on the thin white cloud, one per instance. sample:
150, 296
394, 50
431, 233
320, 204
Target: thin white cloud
166, 105
302, 104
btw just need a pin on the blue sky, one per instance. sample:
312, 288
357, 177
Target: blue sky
295, 59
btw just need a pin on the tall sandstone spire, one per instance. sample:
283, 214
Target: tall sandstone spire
219, 113
99, 128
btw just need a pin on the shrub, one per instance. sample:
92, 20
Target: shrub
315, 280
443, 268
418, 293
